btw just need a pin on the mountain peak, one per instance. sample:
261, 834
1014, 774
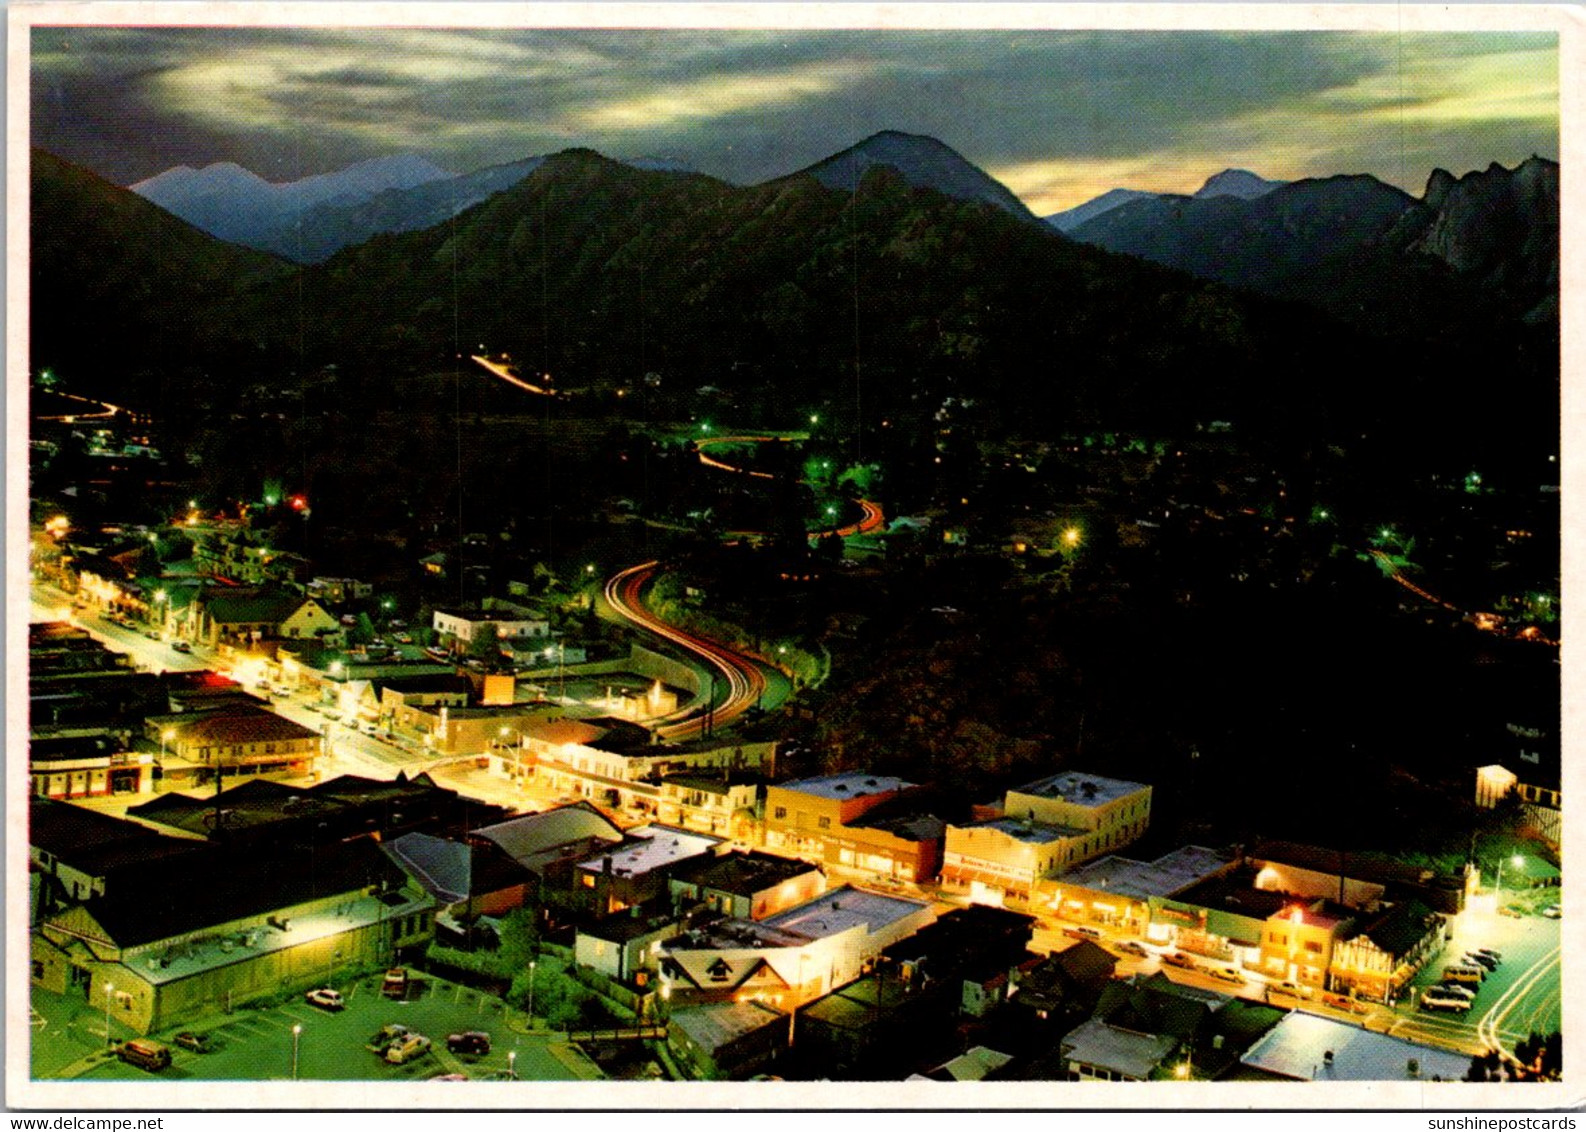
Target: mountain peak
1239, 183
1437, 187
923, 162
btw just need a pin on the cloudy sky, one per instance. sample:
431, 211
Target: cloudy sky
1058, 116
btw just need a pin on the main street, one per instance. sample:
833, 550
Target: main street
50, 604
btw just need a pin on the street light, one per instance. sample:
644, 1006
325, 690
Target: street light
1497, 887
512, 1065
108, 989
297, 1031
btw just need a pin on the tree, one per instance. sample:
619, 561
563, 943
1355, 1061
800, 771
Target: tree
486, 642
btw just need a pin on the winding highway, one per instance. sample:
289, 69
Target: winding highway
744, 678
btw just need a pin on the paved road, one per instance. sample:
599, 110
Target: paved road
50, 604
743, 679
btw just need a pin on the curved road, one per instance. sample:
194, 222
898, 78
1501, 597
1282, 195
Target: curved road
871, 516
745, 680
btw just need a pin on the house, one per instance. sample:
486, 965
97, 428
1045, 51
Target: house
727, 1041
623, 945
746, 886
1046, 828
1066, 983
1537, 792
216, 929
246, 616
1097, 1050
1142, 1028
459, 629
792, 957
1308, 1047
824, 819
338, 591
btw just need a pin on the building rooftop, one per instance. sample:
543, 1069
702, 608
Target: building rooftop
1123, 1051
1169, 874
1307, 1047
742, 874
529, 838
852, 785
711, 1027
843, 908
233, 725
215, 887
1031, 832
649, 848
1080, 788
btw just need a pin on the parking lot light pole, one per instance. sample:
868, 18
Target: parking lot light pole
512, 1065
108, 989
532, 964
297, 1032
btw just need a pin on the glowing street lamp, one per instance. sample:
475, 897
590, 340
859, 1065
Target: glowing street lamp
512, 1065
297, 1032
1071, 537
532, 964
1516, 861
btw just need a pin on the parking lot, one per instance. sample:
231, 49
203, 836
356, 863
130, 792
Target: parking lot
252, 1045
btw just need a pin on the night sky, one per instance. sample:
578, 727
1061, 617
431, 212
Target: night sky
1058, 116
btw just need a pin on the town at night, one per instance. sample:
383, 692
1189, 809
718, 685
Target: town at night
617, 558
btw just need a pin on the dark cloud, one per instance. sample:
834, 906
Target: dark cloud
287, 102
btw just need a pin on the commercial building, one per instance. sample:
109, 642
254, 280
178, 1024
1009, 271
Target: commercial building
1046, 828
1118, 891
87, 766
636, 869
845, 821
213, 930
236, 741
458, 629
792, 957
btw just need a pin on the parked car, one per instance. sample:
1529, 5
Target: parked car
1082, 933
406, 1048
395, 983
1130, 947
386, 1035
1491, 953
1464, 973
1178, 959
1344, 1002
181, 646
1514, 911
1481, 960
475, 1042
1227, 972
325, 999
1459, 989
1554, 912
144, 1054
1292, 989
1433, 999
198, 1043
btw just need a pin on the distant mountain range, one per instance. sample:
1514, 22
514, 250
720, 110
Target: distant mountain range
241, 207
600, 271
1229, 183
310, 220
1352, 244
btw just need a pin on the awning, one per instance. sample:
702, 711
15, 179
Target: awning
962, 874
